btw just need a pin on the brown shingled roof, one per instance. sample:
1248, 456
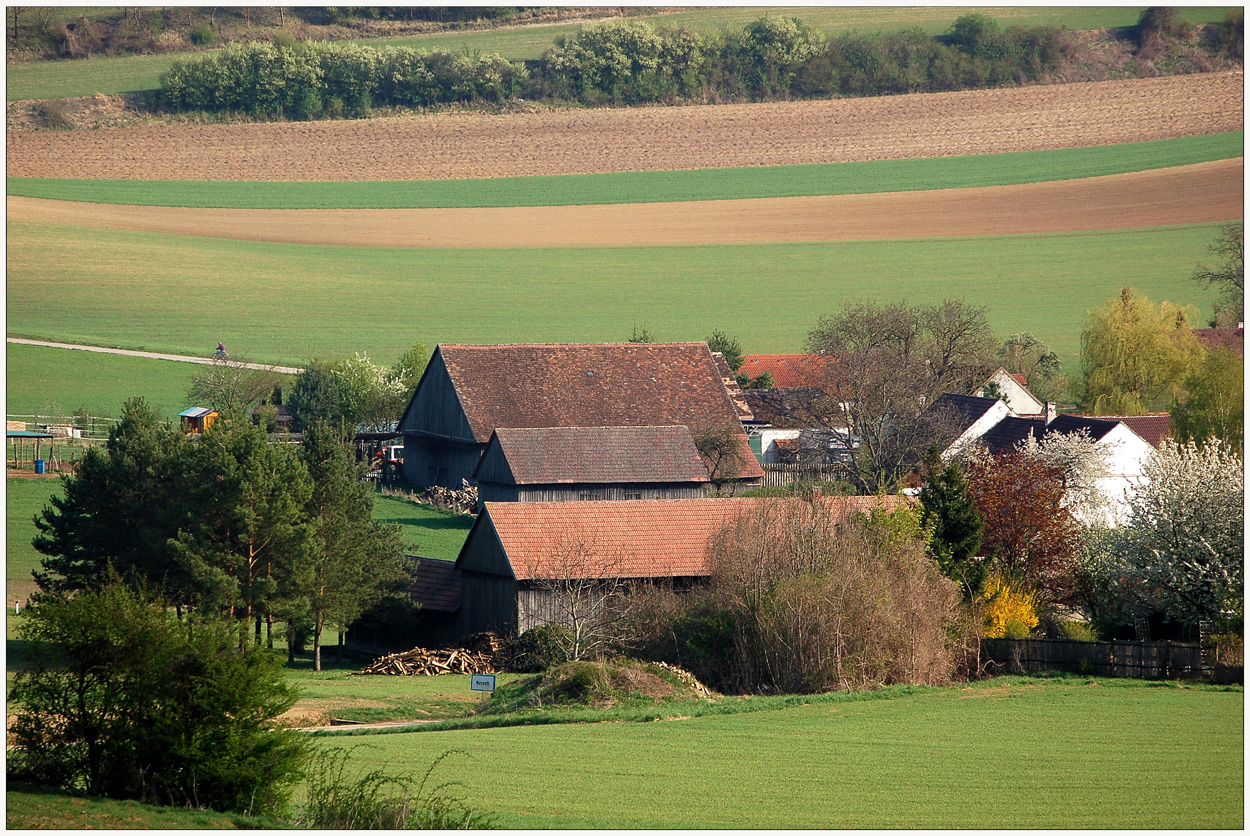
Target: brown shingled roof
1153, 427
437, 585
553, 455
587, 385
631, 539
1231, 338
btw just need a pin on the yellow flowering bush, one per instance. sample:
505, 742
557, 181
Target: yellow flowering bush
1010, 610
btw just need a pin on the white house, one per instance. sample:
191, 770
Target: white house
1013, 392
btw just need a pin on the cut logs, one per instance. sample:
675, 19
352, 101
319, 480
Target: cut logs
422, 662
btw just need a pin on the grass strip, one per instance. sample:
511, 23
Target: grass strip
650, 186
725, 706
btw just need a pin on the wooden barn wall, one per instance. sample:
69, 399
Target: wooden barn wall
494, 467
432, 461
489, 603
494, 492
435, 408
596, 492
482, 552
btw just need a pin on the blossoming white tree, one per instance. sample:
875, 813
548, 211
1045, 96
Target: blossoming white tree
1182, 551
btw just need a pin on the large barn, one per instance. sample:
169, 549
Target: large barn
469, 391
516, 554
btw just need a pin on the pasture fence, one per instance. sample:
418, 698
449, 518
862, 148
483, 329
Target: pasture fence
1136, 659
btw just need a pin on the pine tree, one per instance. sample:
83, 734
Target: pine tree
951, 515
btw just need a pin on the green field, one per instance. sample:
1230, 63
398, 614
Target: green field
38, 809
286, 303
1011, 753
63, 79
43, 381
24, 498
426, 530
651, 186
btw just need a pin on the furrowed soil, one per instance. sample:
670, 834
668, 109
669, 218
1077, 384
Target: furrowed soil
1203, 193
547, 142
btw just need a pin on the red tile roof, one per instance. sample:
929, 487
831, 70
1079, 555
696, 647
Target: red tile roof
1153, 427
553, 455
631, 539
587, 385
788, 370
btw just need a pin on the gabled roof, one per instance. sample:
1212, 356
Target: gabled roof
788, 370
583, 385
965, 410
1010, 432
554, 455
1096, 427
629, 539
437, 586
1153, 428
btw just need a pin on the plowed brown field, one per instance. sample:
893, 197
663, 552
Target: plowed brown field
1209, 192
463, 145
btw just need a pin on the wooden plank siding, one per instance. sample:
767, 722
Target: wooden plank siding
439, 444
492, 492
490, 603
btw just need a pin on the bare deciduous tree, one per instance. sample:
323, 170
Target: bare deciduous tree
583, 585
231, 385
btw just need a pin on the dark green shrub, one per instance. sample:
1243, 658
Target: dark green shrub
1230, 35
203, 34
1156, 26
284, 40
120, 699
542, 647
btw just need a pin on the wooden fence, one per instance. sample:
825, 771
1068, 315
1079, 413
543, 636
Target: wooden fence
1140, 660
782, 475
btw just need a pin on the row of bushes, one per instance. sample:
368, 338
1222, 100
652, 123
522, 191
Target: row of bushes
316, 78
617, 63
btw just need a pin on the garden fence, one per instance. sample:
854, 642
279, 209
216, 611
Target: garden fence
1140, 660
783, 475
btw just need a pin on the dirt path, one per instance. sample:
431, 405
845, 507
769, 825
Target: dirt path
462, 145
1204, 193
181, 358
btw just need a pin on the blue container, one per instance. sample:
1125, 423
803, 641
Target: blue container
40, 465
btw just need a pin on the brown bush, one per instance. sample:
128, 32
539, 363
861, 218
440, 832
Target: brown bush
822, 600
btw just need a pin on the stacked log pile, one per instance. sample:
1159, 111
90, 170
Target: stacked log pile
422, 662
478, 653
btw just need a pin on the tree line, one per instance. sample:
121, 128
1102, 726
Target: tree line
637, 62
227, 526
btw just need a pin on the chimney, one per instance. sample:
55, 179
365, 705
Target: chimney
1050, 412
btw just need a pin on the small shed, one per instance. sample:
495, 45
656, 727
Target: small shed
20, 442
197, 419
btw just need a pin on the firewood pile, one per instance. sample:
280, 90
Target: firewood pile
477, 653
688, 678
422, 662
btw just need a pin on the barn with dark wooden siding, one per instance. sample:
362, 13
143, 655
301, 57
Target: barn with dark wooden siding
559, 464
515, 549
468, 391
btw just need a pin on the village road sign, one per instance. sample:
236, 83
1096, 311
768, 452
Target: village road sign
482, 682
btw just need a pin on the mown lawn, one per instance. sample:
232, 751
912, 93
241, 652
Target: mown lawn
287, 303
651, 186
426, 530
1010, 753
44, 381
31, 808
23, 499
60, 79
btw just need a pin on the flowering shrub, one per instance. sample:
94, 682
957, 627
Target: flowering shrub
1010, 611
